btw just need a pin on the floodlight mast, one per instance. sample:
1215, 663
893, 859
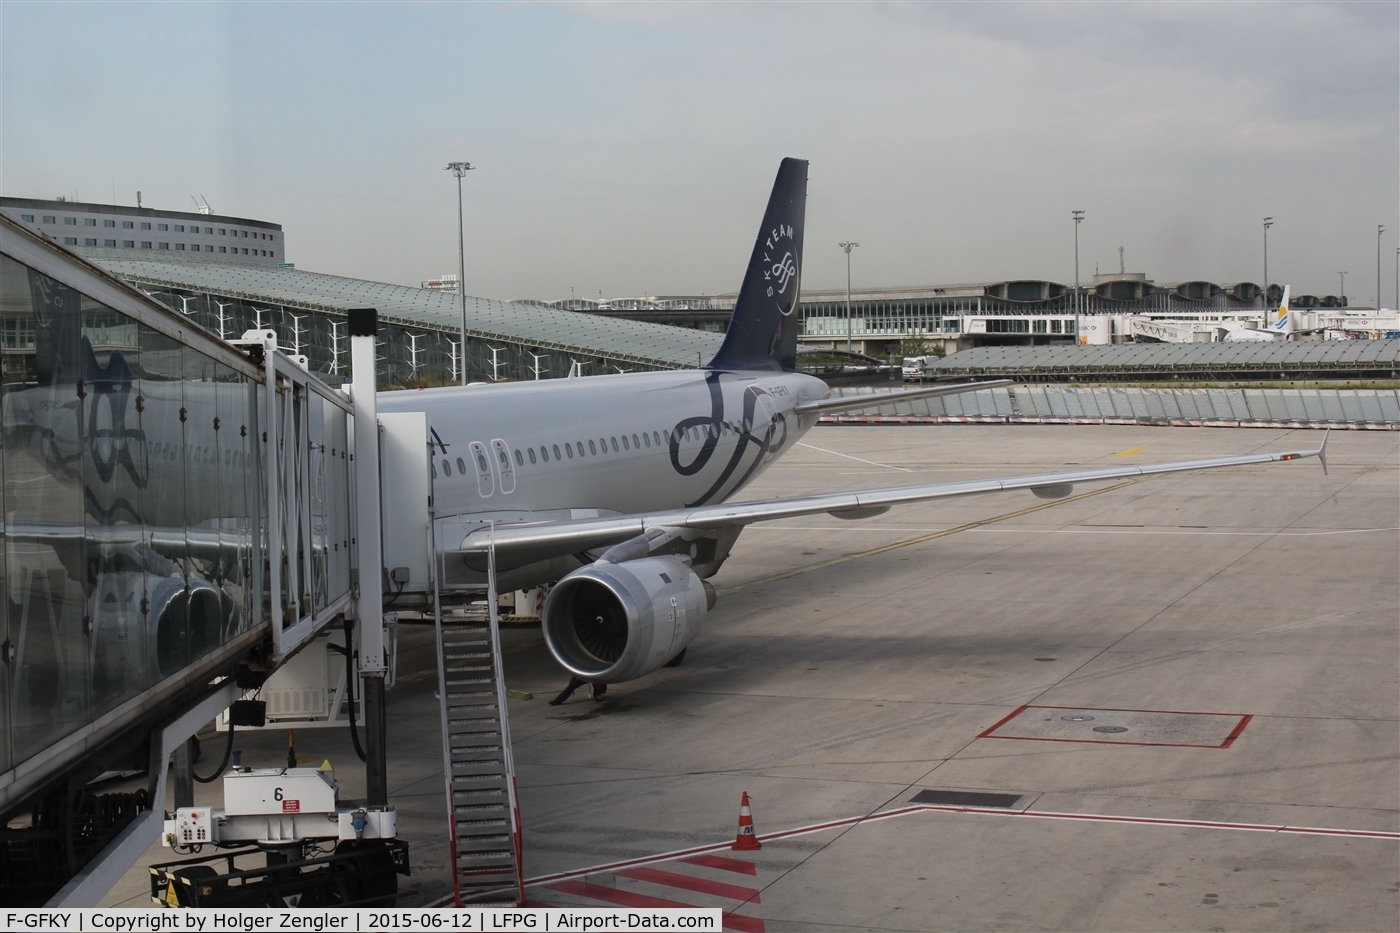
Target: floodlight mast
1268, 222
1380, 228
458, 169
1078, 218
848, 247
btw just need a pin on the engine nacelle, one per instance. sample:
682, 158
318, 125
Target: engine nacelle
613, 622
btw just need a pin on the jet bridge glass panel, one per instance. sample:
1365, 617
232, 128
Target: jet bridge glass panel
131, 537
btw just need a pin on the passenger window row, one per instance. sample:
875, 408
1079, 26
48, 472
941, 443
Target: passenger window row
618, 443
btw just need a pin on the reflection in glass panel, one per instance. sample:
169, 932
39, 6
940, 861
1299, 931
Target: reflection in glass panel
116, 474
204, 606
129, 508
161, 371
45, 546
233, 570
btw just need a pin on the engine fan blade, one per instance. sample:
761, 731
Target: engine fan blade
599, 622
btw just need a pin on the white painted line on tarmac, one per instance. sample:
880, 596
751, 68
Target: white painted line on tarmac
973, 811
1030, 529
837, 453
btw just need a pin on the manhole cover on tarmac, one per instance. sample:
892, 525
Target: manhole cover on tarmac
1120, 726
965, 798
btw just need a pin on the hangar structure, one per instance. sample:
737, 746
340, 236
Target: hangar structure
420, 328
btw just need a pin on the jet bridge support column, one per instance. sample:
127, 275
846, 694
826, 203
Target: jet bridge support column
182, 764
364, 322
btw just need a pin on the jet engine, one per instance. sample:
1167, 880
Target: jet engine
613, 622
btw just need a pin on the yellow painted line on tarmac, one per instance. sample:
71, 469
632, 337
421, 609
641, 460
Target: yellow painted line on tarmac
922, 538
1131, 450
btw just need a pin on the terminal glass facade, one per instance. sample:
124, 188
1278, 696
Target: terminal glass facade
128, 464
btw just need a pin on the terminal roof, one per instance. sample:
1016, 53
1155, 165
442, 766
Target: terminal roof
487, 319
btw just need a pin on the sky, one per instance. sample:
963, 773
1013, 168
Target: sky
628, 149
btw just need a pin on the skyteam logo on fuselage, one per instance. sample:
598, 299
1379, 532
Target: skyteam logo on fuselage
780, 268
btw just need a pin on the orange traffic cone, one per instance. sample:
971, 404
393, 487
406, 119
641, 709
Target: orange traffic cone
745, 841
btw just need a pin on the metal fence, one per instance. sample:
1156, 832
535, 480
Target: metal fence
1374, 409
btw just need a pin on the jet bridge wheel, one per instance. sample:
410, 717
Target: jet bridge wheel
372, 877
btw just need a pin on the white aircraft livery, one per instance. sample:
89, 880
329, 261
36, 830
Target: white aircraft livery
618, 489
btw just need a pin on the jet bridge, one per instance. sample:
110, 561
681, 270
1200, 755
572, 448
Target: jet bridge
180, 520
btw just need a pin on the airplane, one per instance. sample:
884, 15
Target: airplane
1279, 324
618, 490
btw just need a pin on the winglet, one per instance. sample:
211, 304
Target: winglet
1322, 451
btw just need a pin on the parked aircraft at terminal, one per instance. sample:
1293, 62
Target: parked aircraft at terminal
617, 488
1279, 324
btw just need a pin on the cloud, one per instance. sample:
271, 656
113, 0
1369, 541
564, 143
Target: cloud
629, 147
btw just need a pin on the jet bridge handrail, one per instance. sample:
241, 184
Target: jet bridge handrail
507, 755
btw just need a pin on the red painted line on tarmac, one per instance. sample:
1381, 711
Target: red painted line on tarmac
627, 899
1229, 739
743, 924
724, 864
1235, 733
613, 895
986, 733
1118, 709
691, 883
1036, 738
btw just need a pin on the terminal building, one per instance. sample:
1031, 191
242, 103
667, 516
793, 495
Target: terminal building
141, 230
1110, 308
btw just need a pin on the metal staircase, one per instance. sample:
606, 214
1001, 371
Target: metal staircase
482, 804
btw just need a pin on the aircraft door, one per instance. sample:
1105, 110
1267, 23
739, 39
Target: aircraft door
485, 481
504, 466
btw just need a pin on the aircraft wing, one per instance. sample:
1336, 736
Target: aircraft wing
585, 534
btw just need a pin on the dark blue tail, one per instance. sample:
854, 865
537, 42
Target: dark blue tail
763, 330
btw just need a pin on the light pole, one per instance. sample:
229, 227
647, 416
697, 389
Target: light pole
1342, 276
1268, 222
1078, 218
848, 247
458, 169
1397, 277
1380, 228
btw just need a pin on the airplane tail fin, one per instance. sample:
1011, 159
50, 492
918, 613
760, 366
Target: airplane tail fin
1280, 320
762, 332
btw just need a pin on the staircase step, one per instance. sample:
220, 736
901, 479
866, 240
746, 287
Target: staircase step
499, 857
476, 753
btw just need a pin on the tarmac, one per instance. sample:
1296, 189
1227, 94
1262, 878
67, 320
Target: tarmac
1174, 704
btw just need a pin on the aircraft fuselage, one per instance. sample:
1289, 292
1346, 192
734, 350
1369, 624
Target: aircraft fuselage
602, 445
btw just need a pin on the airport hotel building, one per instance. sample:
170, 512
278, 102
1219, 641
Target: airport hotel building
109, 226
